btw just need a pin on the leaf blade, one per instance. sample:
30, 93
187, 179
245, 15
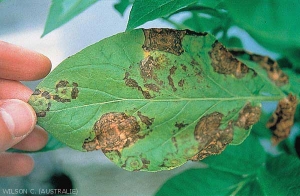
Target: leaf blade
63, 11
142, 12
156, 88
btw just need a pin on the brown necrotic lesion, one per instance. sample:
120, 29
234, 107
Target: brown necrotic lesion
212, 139
282, 119
210, 136
167, 40
271, 66
223, 62
114, 131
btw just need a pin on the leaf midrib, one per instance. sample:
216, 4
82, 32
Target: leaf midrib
255, 98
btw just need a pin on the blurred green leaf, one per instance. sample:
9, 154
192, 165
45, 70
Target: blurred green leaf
274, 24
210, 3
232, 42
122, 5
144, 11
280, 176
239, 170
294, 82
62, 11
200, 182
202, 23
237, 159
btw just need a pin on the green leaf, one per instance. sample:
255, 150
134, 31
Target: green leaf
281, 176
238, 159
294, 80
122, 5
152, 99
211, 4
200, 182
231, 173
62, 11
239, 171
143, 12
200, 23
274, 24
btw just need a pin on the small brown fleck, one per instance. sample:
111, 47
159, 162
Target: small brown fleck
167, 40
36, 92
59, 99
75, 91
183, 67
145, 119
61, 84
180, 125
224, 62
41, 114
282, 119
132, 83
152, 87
46, 94
114, 131
174, 141
170, 79
181, 83
148, 67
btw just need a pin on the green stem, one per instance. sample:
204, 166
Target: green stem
242, 184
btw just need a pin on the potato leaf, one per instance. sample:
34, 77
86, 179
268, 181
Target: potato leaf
239, 171
143, 12
152, 99
63, 11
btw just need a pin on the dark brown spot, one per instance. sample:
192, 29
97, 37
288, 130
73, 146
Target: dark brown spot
46, 94
146, 94
209, 135
148, 67
248, 116
152, 87
61, 84
145, 119
167, 40
132, 83
114, 131
224, 62
75, 91
181, 83
194, 63
189, 32
180, 125
183, 67
59, 99
282, 119
174, 141
36, 92
41, 114
170, 79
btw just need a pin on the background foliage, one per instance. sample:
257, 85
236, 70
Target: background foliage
254, 167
